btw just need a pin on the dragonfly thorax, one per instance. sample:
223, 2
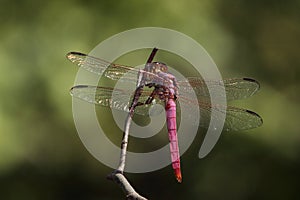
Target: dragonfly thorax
164, 93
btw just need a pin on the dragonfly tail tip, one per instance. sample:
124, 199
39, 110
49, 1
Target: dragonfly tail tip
178, 175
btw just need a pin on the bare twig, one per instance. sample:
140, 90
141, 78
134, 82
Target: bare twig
129, 191
117, 175
125, 141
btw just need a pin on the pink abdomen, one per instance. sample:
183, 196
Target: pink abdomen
172, 131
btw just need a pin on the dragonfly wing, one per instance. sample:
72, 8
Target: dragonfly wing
113, 71
241, 119
237, 88
111, 97
237, 119
240, 88
99, 66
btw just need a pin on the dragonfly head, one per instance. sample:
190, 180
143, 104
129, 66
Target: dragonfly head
159, 66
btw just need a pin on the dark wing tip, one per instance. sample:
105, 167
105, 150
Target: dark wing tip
76, 53
249, 79
257, 115
80, 86
77, 87
252, 80
73, 54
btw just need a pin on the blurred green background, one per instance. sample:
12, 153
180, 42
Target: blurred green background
41, 155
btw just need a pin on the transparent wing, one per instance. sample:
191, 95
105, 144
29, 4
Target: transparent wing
236, 88
236, 118
241, 119
99, 66
112, 71
113, 98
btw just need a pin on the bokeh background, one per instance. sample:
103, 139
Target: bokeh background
41, 155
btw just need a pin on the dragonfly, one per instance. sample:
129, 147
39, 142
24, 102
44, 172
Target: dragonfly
167, 90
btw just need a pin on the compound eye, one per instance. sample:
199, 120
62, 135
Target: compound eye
163, 68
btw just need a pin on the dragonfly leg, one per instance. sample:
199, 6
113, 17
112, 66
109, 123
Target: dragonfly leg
137, 94
148, 101
151, 97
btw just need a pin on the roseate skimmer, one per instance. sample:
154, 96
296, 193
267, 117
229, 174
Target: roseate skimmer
166, 90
